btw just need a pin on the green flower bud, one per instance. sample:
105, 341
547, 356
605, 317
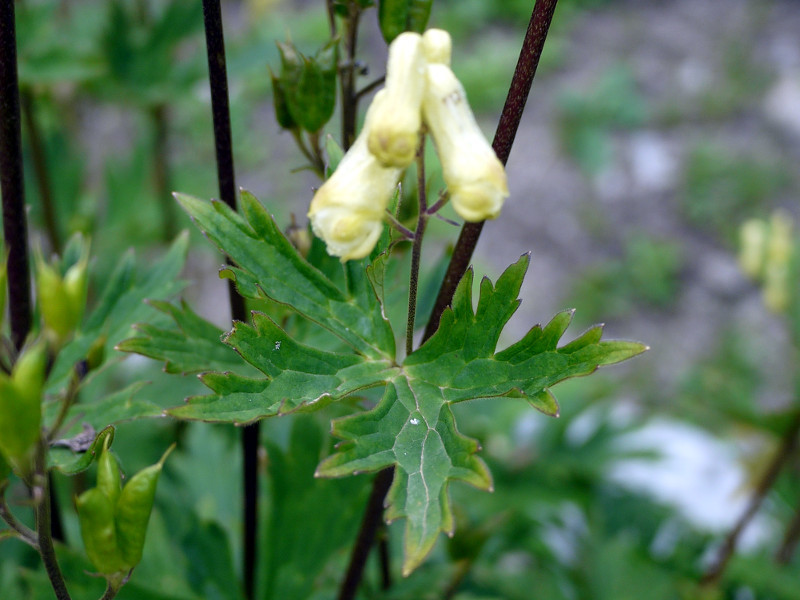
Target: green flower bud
282, 113
133, 511
305, 94
61, 301
99, 532
114, 520
21, 405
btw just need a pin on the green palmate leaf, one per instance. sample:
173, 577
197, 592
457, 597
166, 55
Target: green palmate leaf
191, 346
296, 377
413, 428
269, 264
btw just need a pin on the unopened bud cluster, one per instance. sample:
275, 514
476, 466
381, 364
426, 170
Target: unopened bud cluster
421, 89
766, 254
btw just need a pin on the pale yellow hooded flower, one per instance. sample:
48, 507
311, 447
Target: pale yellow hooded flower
394, 135
475, 177
347, 211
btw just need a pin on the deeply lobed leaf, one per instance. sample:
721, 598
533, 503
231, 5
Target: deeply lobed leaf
269, 261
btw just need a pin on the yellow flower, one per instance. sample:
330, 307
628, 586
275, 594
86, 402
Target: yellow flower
347, 211
394, 134
437, 46
474, 175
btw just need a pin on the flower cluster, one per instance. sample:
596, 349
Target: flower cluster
421, 89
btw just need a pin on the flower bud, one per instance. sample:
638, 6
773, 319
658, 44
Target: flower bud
437, 46
21, 404
475, 177
347, 211
777, 295
394, 135
753, 241
62, 301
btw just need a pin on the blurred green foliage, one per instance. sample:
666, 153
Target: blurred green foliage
589, 117
646, 275
721, 189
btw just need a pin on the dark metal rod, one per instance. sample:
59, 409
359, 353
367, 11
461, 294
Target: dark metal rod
220, 107
15, 227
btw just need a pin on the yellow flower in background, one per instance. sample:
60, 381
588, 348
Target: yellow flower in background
777, 294
347, 211
752, 244
475, 177
394, 133
765, 254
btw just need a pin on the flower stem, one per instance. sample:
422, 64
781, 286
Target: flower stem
161, 170
787, 447
348, 77
373, 515
416, 250
41, 497
504, 136
23, 532
40, 170
15, 226
220, 107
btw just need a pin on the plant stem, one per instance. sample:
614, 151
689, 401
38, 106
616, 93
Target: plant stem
220, 107
40, 170
788, 445
416, 250
331, 17
41, 497
790, 540
161, 171
26, 534
504, 136
15, 226
369, 87
110, 593
348, 78
373, 514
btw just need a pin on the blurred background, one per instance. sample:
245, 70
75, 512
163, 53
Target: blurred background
654, 131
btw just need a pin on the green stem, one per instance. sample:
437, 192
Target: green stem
504, 136
790, 540
68, 400
787, 447
41, 497
348, 78
416, 250
161, 171
40, 170
24, 533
